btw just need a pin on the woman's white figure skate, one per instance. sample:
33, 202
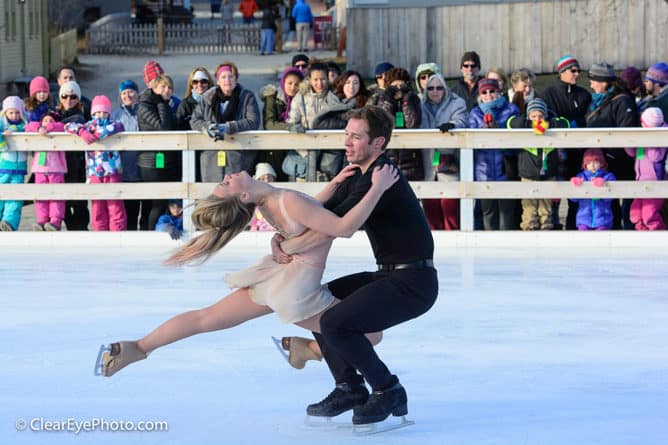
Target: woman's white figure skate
116, 356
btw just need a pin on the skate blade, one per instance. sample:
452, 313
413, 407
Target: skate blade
279, 346
368, 429
99, 362
327, 423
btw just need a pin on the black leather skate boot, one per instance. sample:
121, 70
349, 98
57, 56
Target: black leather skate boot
344, 398
381, 404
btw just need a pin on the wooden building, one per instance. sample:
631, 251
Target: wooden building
508, 34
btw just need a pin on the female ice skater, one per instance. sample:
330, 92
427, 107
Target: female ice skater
293, 290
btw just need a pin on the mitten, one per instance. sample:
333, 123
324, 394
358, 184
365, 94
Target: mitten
488, 120
598, 182
87, 136
540, 127
577, 181
446, 127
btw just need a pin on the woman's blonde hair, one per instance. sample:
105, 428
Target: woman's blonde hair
189, 85
221, 219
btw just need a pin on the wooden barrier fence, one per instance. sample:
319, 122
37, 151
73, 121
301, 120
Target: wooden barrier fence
466, 189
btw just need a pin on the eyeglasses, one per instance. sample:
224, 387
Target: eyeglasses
425, 76
70, 97
575, 70
486, 92
469, 65
202, 81
438, 88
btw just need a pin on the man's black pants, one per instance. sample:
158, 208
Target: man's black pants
371, 302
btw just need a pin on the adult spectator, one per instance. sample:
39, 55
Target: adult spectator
248, 8
315, 97
380, 74
300, 61
333, 72
423, 72
493, 111
521, 89
303, 21
565, 98
631, 77
67, 73
500, 76
656, 84
71, 110
227, 109
268, 28
401, 102
155, 114
613, 106
349, 88
127, 115
444, 110
466, 86
277, 102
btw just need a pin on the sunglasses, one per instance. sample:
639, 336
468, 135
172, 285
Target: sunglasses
486, 92
203, 82
70, 97
438, 88
301, 65
469, 65
575, 70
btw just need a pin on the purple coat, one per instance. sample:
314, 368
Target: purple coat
649, 167
488, 164
594, 213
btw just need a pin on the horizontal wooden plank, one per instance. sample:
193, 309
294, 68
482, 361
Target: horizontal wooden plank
492, 190
334, 139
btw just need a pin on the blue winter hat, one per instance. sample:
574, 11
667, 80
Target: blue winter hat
537, 104
127, 85
381, 68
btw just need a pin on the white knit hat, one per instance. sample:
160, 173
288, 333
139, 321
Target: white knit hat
264, 168
70, 87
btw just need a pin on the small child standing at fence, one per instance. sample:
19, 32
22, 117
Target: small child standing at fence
37, 105
263, 172
645, 213
536, 163
103, 166
49, 167
13, 165
593, 214
172, 221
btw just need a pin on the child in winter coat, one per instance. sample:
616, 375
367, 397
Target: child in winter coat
537, 164
645, 212
103, 166
13, 165
263, 172
593, 214
37, 105
172, 221
49, 167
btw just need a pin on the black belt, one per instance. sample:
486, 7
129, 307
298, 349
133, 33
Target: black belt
421, 264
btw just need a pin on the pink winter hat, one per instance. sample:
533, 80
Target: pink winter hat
13, 102
100, 103
652, 117
39, 84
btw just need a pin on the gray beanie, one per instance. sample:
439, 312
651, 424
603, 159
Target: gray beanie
602, 72
537, 104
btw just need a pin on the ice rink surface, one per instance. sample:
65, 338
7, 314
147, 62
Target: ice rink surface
524, 346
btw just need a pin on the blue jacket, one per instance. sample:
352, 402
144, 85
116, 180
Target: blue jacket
489, 163
301, 12
168, 219
594, 213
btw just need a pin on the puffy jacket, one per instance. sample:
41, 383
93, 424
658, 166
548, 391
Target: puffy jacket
594, 213
155, 114
274, 106
128, 117
53, 161
301, 12
489, 164
649, 166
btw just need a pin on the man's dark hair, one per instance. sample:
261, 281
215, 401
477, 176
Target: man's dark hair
318, 66
379, 121
66, 67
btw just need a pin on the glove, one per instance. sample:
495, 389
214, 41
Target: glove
488, 120
297, 128
174, 233
598, 182
87, 136
391, 91
577, 181
216, 132
446, 127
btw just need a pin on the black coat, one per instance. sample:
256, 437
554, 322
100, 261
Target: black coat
155, 114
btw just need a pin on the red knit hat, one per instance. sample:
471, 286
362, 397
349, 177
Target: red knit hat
38, 84
594, 154
152, 69
485, 84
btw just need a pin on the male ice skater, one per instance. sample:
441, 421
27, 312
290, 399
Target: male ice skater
404, 286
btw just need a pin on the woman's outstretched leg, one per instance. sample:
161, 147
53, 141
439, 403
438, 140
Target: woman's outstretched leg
231, 311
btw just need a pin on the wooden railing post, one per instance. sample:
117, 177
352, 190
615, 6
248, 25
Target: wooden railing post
160, 30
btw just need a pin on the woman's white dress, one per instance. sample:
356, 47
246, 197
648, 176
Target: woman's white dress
293, 290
